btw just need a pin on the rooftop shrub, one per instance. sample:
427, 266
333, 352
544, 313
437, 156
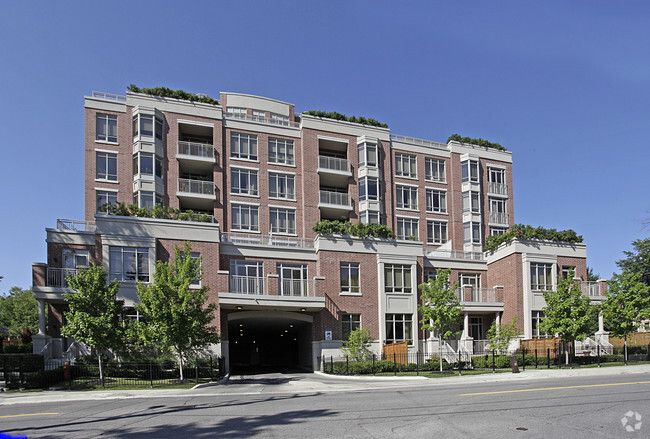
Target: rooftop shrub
354, 119
479, 141
528, 232
158, 211
176, 94
360, 230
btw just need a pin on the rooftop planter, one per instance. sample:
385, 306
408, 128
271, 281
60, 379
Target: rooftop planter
479, 141
528, 232
354, 119
158, 211
176, 94
360, 230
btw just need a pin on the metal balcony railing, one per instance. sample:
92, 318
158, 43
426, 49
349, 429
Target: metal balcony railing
415, 141
247, 285
333, 163
480, 295
335, 198
497, 188
274, 240
109, 96
194, 149
281, 122
590, 289
195, 186
56, 276
296, 287
499, 217
454, 254
78, 225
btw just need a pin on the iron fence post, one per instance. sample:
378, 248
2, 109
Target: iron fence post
21, 373
535, 358
211, 374
523, 359
5, 371
548, 358
460, 366
598, 354
417, 363
331, 364
493, 362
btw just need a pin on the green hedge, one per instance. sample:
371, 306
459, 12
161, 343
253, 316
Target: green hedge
176, 94
23, 348
158, 211
479, 141
360, 230
354, 119
528, 232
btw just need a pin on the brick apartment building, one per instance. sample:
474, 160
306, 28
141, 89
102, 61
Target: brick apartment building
264, 176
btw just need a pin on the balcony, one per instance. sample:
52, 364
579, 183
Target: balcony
454, 254
480, 299
56, 277
273, 240
198, 188
592, 290
76, 225
265, 120
247, 285
333, 171
497, 189
499, 218
259, 286
334, 205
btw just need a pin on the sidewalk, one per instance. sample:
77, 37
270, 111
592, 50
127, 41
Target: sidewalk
317, 382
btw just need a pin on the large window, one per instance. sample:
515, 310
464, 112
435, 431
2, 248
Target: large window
282, 186
349, 323
106, 166
496, 176
405, 165
435, 170
497, 231
368, 155
537, 317
397, 278
470, 280
245, 217
280, 119
129, 264
293, 279
471, 202
472, 233
399, 327
436, 201
541, 278
407, 228
350, 278
145, 163
243, 146
246, 277
469, 171
369, 188
106, 128
407, 197
146, 199
281, 151
144, 125
243, 181
370, 217
436, 232
283, 220
105, 197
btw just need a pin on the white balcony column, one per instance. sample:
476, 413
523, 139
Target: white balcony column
465, 326
41, 317
497, 318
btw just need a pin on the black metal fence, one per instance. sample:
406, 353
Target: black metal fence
21, 371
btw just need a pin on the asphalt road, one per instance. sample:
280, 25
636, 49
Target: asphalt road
297, 405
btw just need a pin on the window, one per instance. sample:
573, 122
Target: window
469, 171
129, 264
283, 220
106, 166
476, 328
436, 232
281, 151
243, 181
105, 197
246, 277
568, 272
349, 323
259, 115
73, 259
369, 188
197, 257
472, 233
471, 202
397, 278
293, 279
407, 197
497, 205
407, 228
496, 175
106, 128
350, 278
470, 280
368, 155
435, 170
540, 277
280, 119
537, 317
245, 217
497, 231
144, 124
243, 146
405, 165
146, 199
370, 217
436, 201
282, 186
430, 275
145, 163
236, 111
399, 327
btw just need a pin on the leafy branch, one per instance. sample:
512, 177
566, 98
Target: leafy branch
360, 230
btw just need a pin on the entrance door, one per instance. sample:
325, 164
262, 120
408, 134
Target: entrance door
293, 280
476, 328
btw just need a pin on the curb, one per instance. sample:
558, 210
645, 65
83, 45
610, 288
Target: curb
212, 383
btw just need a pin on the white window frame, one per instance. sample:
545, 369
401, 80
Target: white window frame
471, 202
497, 231
436, 196
408, 228
370, 217
541, 276
244, 181
106, 195
282, 220
437, 232
397, 279
106, 157
292, 285
245, 217
117, 269
365, 183
109, 123
350, 270
282, 186
248, 277
365, 155
349, 323
243, 146
406, 197
496, 175
279, 157
399, 321
472, 232
435, 170
406, 165
469, 171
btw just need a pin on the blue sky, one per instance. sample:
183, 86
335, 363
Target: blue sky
563, 85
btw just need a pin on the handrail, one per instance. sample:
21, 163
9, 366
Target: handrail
333, 163
56, 277
415, 141
109, 96
335, 198
497, 188
499, 217
78, 225
195, 186
196, 149
274, 240
285, 123
454, 254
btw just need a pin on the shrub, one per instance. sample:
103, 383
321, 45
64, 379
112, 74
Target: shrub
44, 378
158, 211
529, 232
479, 141
23, 348
360, 230
176, 94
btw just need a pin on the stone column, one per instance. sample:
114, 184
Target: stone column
497, 318
465, 326
41, 317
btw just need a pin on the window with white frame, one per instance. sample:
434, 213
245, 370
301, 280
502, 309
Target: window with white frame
497, 205
537, 317
497, 231
282, 186
106, 168
541, 277
243, 146
435, 170
368, 155
399, 327
146, 199
196, 256
145, 163
349, 323
431, 274
245, 217
129, 264
469, 280
407, 197
147, 125
405, 165
280, 119
106, 128
236, 111
407, 228
397, 278
293, 280
469, 171
436, 232
471, 202
246, 277
243, 181
281, 151
73, 259
282, 220
259, 115
370, 217
350, 278
496, 175
105, 197
436, 201
568, 272
472, 232
369, 188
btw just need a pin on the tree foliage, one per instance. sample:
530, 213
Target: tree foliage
627, 304
360, 230
354, 119
358, 345
591, 276
479, 141
158, 211
19, 312
528, 232
175, 316
176, 94
567, 312
500, 335
440, 309
638, 260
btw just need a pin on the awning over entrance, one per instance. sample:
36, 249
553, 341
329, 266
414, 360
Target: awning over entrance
268, 302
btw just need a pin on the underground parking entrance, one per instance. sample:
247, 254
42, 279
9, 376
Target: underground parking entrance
269, 341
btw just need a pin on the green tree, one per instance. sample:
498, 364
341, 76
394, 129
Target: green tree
627, 305
591, 276
95, 314
500, 335
567, 312
440, 308
358, 344
19, 312
175, 316
638, 260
